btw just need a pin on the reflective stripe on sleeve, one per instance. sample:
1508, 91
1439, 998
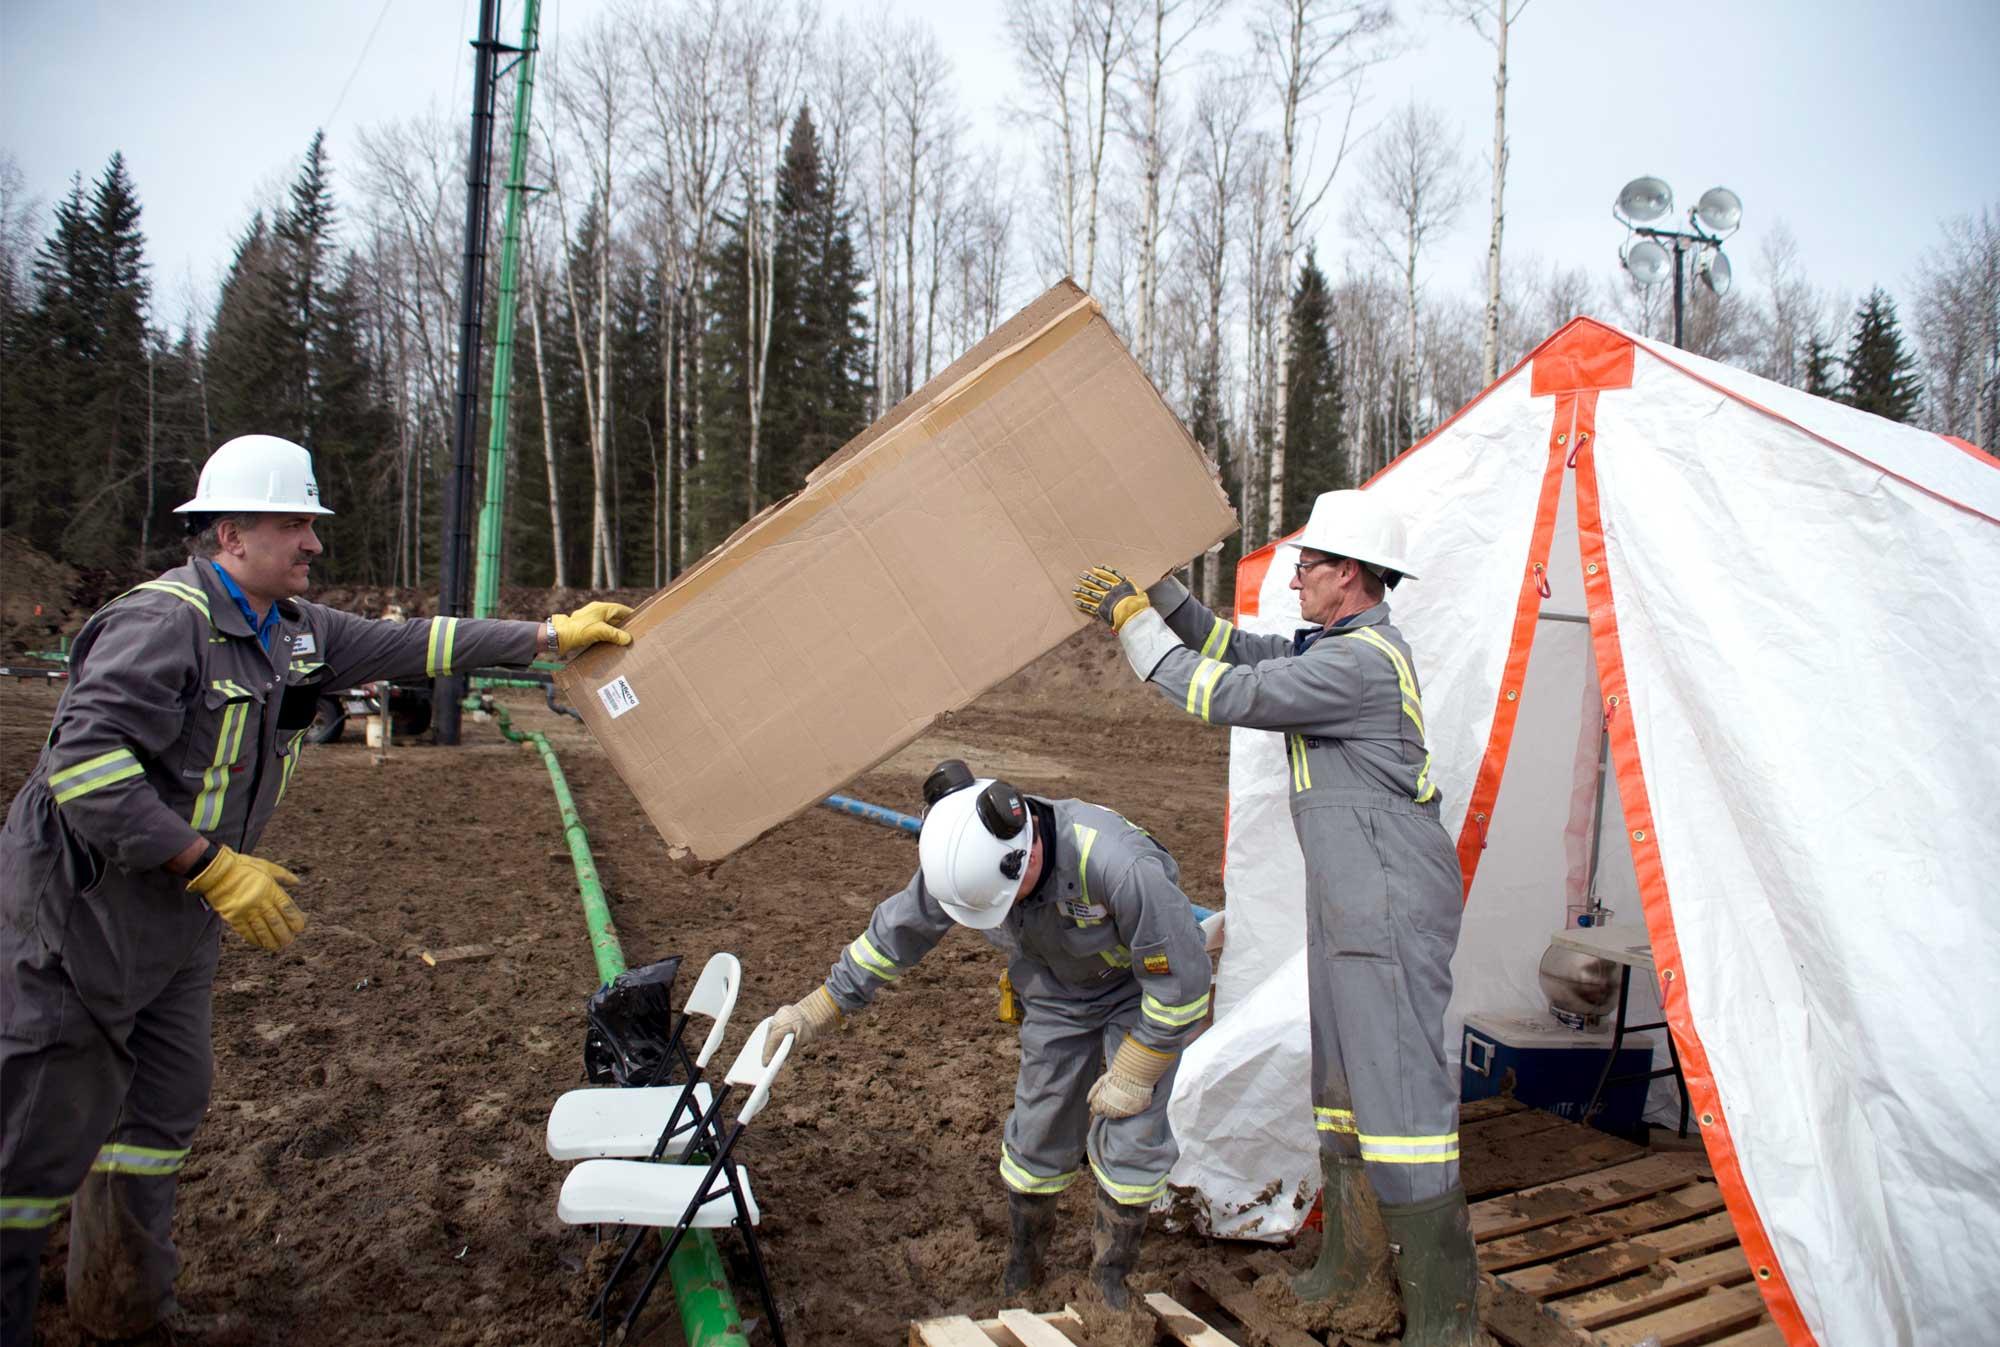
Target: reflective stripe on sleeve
1174, 1017
872, 960
1334, 1120
1433, 1150
437, 660
118, 765
119, 1158
1129, 1194
1217, 644
1201, 688
1024, 1180
31, 1213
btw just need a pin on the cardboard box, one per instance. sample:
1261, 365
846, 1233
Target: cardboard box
929, 559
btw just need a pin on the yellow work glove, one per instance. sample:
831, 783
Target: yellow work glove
1104, 593
249, 894
803, 1020
590, 624
1126, 1087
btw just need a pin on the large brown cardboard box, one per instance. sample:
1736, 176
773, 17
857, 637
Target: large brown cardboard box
929, 559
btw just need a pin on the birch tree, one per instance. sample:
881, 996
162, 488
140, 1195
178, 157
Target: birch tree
1958, 329
1309, 48
1493, 20
1415, 184
1047, 41
592, 98
774, 38
1157, 35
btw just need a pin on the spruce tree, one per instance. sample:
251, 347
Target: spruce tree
1881, 376
251, 378
1315, 457
1820, 381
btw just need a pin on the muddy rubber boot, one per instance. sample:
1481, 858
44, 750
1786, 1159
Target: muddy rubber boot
1114, 1243
1030, 1217
1435, 1267
1353, 1251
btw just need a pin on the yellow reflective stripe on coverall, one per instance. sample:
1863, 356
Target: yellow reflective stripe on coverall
1334, 1120
872, 960
120, 1158
1413, 705
1022, 1180
31, 1213
444, 633
118, 765
1431, 1150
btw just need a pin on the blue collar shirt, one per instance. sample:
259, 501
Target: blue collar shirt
265, 626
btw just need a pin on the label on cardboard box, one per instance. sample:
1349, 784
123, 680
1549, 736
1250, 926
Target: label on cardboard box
618, 697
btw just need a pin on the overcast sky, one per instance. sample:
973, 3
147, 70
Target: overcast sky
1860, 125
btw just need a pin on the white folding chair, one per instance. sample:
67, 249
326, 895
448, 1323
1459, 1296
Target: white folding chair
647, 1196
659, 1122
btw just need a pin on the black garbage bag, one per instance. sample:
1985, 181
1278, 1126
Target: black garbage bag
629, 1035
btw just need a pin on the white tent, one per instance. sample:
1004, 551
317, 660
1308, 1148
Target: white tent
1785, 610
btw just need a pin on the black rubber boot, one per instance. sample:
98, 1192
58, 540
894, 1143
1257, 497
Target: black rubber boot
1435, 1267
1114, 1243
1030, 1218
1352, 1248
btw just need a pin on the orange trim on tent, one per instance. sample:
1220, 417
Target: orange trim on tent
1969, 447
1520, 640
1250, 572
1583, 355
1643, 834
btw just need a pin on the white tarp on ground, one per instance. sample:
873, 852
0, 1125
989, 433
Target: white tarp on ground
1792, 602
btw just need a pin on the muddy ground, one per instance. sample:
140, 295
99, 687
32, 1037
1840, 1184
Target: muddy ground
372, 1169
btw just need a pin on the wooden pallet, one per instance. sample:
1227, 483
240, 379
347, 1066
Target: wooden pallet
1620, 1254
1023, 1328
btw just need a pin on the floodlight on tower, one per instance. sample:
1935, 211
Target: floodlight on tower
1644, 199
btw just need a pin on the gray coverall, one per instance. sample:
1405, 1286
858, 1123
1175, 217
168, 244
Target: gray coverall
176, 723
1105, 945
1384, 893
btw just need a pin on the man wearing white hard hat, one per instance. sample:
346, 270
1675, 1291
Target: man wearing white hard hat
1108, 965
129, 849
1384, 891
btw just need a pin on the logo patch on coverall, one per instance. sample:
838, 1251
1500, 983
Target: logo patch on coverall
1157, 963
1077, 911
302, 644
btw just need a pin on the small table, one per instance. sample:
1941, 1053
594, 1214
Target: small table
1629, 948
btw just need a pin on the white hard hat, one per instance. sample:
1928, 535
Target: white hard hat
975, 847
1357, 525
256, 474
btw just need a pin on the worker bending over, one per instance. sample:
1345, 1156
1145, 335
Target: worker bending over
129, 848
1109, 968
1384, 891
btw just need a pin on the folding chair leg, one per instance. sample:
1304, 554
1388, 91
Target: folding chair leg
763, 1277
617, 1271
646, 1288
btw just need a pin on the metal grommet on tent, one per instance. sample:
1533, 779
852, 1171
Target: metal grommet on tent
1563, 438
1638, 834
1511, 694
1591, 568
1614, 699
1666, 975
1708, 1120
1763, 1274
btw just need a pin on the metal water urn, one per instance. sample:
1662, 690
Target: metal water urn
1580, 987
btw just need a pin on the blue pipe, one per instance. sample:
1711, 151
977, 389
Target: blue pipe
874, 813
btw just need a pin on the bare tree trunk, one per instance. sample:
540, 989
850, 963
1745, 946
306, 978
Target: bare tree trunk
1489, 342
530, 279
1106, 53
604, 562
146, 519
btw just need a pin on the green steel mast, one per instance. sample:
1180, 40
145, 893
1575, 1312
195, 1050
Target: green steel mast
493, 513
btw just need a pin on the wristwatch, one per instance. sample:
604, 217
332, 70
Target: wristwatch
550, 641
